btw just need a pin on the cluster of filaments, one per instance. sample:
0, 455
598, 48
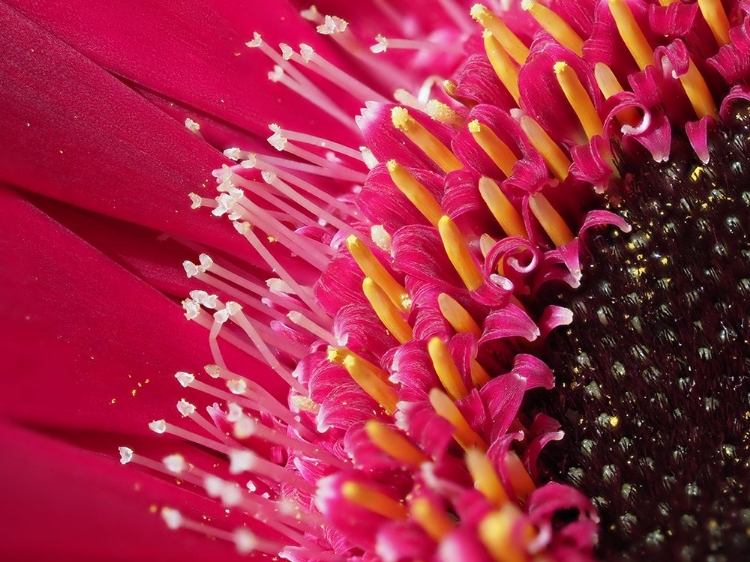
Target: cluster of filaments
403, 426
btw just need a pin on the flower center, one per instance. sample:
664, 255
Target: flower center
656, 403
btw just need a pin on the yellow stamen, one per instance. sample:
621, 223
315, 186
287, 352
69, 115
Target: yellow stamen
486, 242
369, 377
457, 316
716, 18
374, 500
373, 269
446, 368
631, 33
389, 315
698, 92
553, 155
429, 143
579, 99
501, 208
485, 478
462, 433
459, 255
449, 87
495, 25
479, 376
497, 532
432, 519
551, 221
442, 113
555, 26
395, 445
609, 85
495, 148
418, 194
519, 477
505, 69
667, 2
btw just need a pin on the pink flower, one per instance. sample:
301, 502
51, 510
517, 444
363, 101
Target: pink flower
424, 328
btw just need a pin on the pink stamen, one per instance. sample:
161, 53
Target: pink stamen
321, 142
160, 426
304, 322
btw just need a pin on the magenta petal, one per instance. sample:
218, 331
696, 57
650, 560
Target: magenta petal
186, 50
63, 503
135, 164
509, 322
82, 335
676, 19
733, 60
462, 544
697, 134
419, 252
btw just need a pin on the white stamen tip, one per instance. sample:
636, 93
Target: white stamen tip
277, 140
256, 42
233, 308
381, 237
332, 25
381, 46
174, 463
213, 371
311, 14
192, 309
206, 261
241, 461
237, 386
368, 157
158, 426
213, 486
172, 518
268, 177
192, 126
233, 153
242, 227
306, 51
286, 51
126, 454
185, 379
196, 199
185, 408
279, 286
191, 270
276, 74
234, 412
245, 541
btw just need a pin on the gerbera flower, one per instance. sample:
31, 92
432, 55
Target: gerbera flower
461, 326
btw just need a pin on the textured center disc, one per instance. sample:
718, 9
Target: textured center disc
653, 376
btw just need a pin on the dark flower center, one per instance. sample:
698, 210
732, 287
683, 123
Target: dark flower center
653, 376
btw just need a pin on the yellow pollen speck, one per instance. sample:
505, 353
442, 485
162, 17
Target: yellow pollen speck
614, 421
113, 401
152, 508
134, 391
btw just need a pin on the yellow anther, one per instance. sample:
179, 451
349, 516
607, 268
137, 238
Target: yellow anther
495, 25
505, 69
555, 26
717, 20
485, 478
389, 315
373, 269
495, 148
609, 85
551, 221
457, 316
449, 87
499, 533
501, 208
444, 114
479, 376
418, 194
374, 500
579, 99
631, 33
519, 477
486, 242
425, 140
394, 444
446, 368
373, 380
553, 155
698, 92
466, 437
432, 519
667, 2
459, 254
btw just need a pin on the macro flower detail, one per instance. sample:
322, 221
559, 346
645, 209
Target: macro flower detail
495, 316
